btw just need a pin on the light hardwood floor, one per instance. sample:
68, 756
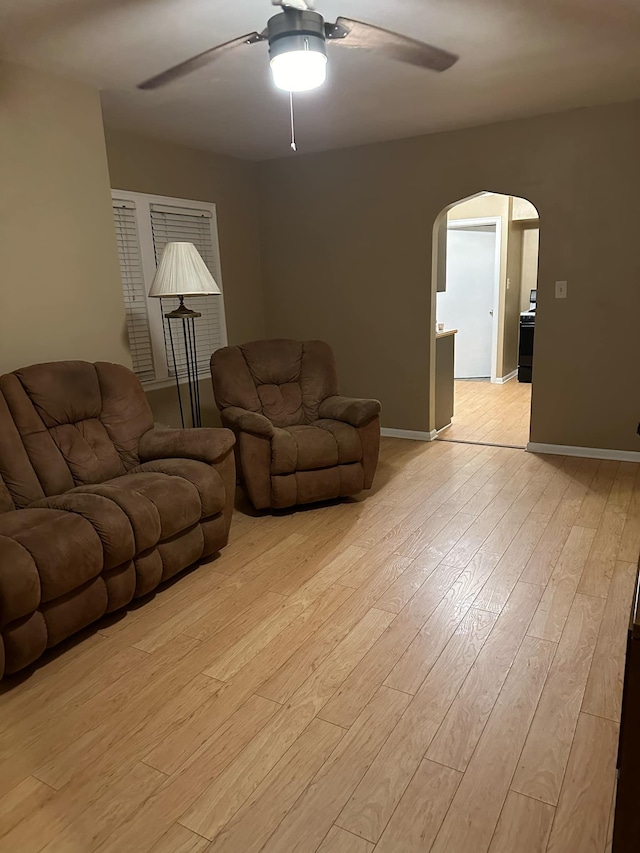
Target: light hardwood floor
436, 667
494, 414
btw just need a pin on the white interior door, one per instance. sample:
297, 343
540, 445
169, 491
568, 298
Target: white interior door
468, 303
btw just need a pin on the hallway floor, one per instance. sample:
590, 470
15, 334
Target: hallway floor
491, 414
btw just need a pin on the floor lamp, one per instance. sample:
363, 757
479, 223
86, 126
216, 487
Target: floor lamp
182, 272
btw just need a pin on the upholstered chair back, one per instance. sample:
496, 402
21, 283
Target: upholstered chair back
283, 380
67, 424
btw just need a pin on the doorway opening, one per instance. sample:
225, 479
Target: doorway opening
485, 288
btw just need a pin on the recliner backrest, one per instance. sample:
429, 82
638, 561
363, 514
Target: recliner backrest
66, 424
283, 380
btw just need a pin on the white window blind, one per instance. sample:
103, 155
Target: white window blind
144, 225
134, 289
169, 224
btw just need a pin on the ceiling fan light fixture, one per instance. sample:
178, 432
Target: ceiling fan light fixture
299, 70
298, 50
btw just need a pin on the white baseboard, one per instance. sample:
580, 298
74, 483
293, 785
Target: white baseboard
500, 380
445, 427
412, 434
585, 452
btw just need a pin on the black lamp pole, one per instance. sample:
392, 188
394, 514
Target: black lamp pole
187, 317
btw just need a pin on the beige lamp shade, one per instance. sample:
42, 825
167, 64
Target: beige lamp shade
182, 272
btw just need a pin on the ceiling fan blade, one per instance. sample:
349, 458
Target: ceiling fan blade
200, 61
356, 34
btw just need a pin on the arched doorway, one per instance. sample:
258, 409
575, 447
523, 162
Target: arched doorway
484, 296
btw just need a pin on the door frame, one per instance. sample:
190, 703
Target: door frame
496, 221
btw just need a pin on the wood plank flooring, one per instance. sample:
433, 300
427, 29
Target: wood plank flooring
493, 414
436, 666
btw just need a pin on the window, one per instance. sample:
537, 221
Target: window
133, 289
144, 225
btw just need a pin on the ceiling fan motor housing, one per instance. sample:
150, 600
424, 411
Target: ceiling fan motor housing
293, 30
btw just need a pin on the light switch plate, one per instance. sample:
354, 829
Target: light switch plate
561, 289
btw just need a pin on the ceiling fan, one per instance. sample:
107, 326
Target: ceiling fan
298, 38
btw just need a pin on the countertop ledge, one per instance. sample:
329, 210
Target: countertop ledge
446, 333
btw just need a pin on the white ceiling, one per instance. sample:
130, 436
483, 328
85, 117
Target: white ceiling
518, 57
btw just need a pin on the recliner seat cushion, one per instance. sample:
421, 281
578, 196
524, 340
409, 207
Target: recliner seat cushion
175, 500
203, 477
134, 512
19, 581
323, 444
106, 518
347, 439
64, 547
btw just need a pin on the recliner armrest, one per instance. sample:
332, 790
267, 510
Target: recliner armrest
205, 444
242, 420
351, 410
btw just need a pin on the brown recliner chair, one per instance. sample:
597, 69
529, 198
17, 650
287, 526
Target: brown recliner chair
298, 441
96, 506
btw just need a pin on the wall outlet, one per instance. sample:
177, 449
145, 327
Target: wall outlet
561, 289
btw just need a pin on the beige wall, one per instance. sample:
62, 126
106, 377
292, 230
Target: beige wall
140, 164
353, 264
60, 277
166, 411
513, 297
346, 240
529, 273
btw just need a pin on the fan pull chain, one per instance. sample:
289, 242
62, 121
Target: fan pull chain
293, 127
